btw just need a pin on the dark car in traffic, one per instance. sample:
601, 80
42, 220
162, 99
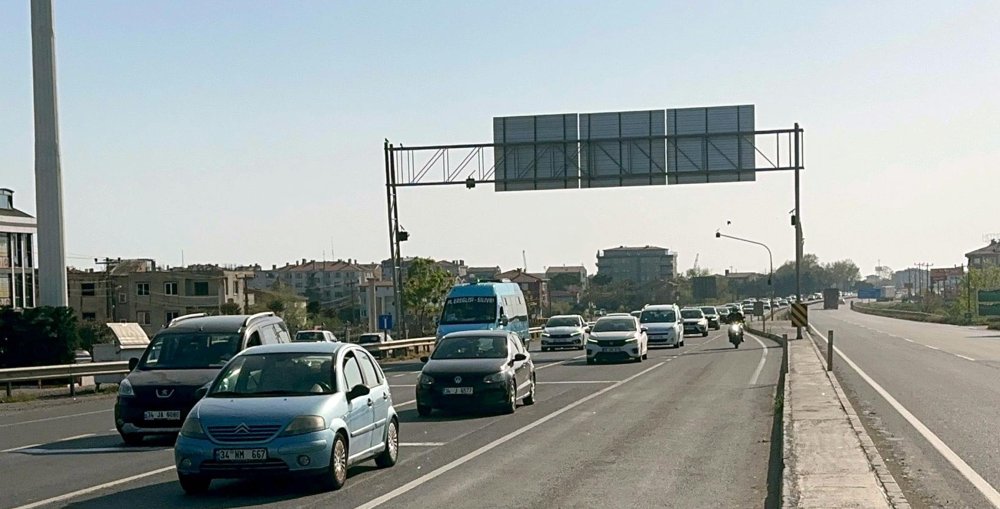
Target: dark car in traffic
476, 369
161, 389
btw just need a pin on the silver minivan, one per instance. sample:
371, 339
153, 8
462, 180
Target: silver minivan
664, 325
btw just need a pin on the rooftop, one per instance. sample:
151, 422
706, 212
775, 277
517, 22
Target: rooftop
992, 248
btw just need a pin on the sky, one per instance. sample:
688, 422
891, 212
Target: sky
239, 132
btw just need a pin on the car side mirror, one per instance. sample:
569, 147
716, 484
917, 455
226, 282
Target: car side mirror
587, 330
520, 357
643, 329
504, 321
201, 392
132, 363
424, 358
357, 391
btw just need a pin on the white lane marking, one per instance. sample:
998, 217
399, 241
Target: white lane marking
579, 382
403, 385
24, 447
421, 444
932, 347
525, 384
984, 487
404, 374
404, 403
92, 489
500, 441
91, 450
910, 340
13, 449
763, 358
560, 362
964, 357
55, 418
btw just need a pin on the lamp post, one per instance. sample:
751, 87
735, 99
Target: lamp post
770, 261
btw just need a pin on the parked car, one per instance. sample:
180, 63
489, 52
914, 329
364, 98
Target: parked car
694, 321
664, 325
564, 331
617, 338
476, 369
314, 335
372, 338
712, 315
309, 409
158, 393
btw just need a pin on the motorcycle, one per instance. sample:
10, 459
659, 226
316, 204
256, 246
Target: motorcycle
736, 334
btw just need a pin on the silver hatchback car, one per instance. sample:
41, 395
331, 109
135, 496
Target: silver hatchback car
289, 409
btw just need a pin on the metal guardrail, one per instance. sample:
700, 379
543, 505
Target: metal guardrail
70, 372
425, 344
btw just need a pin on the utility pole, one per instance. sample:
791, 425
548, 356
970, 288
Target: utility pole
48, 171
798, 230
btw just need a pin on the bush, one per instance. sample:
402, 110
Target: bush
37, 336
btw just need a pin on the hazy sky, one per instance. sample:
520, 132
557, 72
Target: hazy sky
250, 131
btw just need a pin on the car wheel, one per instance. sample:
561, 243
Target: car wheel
530, 398
590, 361
511, 404
704, 334
682, 344
336, 476
388, 457
132, 439
423, 410
194, 484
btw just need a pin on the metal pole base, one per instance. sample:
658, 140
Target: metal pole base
798, 333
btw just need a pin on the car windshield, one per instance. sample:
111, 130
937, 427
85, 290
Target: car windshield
723, 310
563, 321
615, 325
459, 310
306, 336
471, 347
369, 338
709, 311
692, 313
658, 316
276, 374
190, 350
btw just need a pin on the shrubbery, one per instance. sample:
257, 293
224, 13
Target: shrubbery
37, 336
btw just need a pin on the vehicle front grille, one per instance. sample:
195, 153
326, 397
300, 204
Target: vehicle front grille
243, 433
560, 336
221, 468
612, 342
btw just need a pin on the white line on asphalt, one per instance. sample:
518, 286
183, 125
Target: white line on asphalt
760, 365
403, 385
404, 374
580, 382
421, 444
910, 340
92, 489
500, 441
560, 362
55, 418
932, 347
85, 435
91, 450
964, 357
13, 449
404, 403
984, 487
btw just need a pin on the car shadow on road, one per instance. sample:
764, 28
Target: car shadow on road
223, 493
102, 444
411, 415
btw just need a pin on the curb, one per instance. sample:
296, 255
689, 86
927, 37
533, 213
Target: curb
890, 487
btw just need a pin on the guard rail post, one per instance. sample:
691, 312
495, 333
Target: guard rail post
829, 350
784, 353
10, 389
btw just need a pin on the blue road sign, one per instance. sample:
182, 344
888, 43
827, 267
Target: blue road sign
870, 293
384, 322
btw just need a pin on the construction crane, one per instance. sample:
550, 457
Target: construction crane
696, 256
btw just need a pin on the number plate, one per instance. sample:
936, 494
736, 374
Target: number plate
457, 390
162, 415
240, 454
611, 349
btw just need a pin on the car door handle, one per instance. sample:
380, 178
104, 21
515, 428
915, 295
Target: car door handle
370, 402
385, 395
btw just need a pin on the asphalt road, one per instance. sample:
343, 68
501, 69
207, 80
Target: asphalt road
688, 427
947, 377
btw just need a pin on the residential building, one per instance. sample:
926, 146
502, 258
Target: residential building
911, 281
139, 291
18, 275
483, 273
637, 264
988, 256
334, 284
457, 268
535, 288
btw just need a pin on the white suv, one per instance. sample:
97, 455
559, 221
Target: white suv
664, 325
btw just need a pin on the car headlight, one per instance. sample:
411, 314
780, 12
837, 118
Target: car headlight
496, 378
632, 340
545, 334
125, 388
192, 428
591, 339
305, 424
426, 380
577, 333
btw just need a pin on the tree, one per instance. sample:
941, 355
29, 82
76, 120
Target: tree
842, 274
975, 279
563, 281
92, 333
424, 289
229, 308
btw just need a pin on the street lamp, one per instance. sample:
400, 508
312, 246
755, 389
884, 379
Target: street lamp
770, 261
